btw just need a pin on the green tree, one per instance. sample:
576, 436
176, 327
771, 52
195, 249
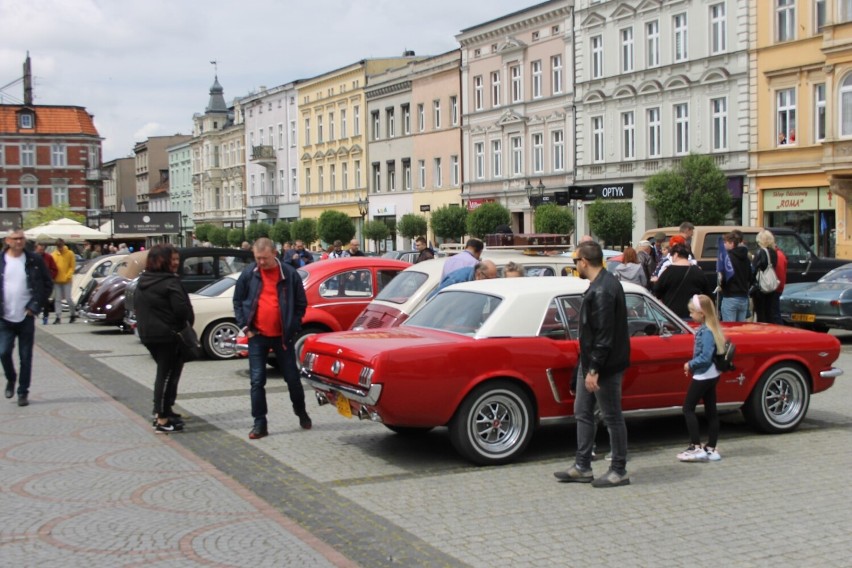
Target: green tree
218, 236
50, 213
235, 237
280, 232
551, 218
376, 231
411, 226
256, 230
449, 222
304, 230
202, 232
486, 218
611, 221
335, 226
696, 190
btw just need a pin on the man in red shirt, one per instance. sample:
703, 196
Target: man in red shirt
269, 303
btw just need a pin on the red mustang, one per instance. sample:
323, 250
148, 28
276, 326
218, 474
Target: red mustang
493, 359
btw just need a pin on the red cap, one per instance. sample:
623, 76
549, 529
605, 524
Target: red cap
677, 240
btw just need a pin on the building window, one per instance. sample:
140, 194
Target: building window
331, 126
496, 158
654, 132
307, 133
421, 173
406, 174
377, 177
627, 50
26, 120
681, 124
597, 57
262, 183
454, 110
2, 156
356, 116
320, 139
845, 10
718, 29
819, 15
332, 177
28, 196
320, 179
374, 120
391, 122
357, 174
536, 79
391, 175
597, 139
538, 152
2, 196
479, 160
786, 116
292, 133
294, 182
558, 150
344, 127
846, 106
454, 171
652, 35
344, 175
58, 155
436, 113
406, 119
628, 135
307, 180
477, 92
680, 37
719, 109
495, 88
439, 174
28, 155
556, 74
280, 136
819, 112
517, 87
517, 155
60, 194
421, 118
785, 20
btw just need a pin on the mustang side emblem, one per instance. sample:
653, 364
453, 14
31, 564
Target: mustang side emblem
336, 367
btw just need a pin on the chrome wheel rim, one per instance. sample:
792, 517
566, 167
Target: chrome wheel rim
222, 335
783, 397
497, 423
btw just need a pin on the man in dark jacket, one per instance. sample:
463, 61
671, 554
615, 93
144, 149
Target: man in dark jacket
25, 285
51, 267
734, 306
269, 303
604, 356
425, 253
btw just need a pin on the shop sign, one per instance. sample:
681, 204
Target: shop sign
792, 199
159, 223
383, 210
474, 203
601, 191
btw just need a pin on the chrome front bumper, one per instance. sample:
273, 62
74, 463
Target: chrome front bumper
831, 373
369, 396
94, 317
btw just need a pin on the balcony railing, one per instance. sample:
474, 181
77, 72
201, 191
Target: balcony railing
263, 155
265, 200
95, 174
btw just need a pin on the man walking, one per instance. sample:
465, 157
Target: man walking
24, 288
66, 262
604, 355
269, 303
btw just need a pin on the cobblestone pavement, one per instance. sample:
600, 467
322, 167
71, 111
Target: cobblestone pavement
381, 499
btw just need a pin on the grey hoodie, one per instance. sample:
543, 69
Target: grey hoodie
631, 272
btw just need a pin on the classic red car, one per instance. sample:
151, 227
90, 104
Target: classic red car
493, 359
337, 291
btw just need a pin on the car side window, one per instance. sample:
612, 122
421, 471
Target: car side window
562, 318
792, 248
102, 270
230, 264
710, 249
384, 277
350, 284
645, 318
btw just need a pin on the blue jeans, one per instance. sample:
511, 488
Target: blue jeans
258, 353
609, 400
24, 331
734, 308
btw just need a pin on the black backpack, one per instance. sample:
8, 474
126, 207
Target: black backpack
724, 361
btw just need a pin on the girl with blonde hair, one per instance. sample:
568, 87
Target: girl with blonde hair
709, 340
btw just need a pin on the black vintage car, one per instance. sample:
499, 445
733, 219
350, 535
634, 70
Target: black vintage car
199, 266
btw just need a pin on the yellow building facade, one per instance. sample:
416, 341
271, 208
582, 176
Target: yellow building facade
801, 151
332, 137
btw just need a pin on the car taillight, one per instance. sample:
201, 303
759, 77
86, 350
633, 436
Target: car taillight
365, 379
309, 361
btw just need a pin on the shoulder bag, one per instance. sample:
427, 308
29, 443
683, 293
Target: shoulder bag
767, 280
188, 343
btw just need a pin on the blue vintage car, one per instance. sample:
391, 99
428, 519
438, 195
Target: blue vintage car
820, 305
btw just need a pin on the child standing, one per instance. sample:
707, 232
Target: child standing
708, 341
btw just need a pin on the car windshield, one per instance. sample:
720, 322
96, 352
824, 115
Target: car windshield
456, 311
842, 275
303, 274
216, 288
401, 288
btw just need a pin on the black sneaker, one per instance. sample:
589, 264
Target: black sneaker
167, 428
57, 321
23, 400
305, 420
73, 319
258, 432
170, 420
10, 389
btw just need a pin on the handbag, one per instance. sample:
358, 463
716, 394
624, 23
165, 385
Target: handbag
767, 280
188, 343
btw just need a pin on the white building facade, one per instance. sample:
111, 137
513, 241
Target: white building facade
180, 186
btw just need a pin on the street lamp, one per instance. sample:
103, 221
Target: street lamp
534, 195
363, 209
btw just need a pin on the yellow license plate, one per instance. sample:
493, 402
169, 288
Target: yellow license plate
809, 318
343, 406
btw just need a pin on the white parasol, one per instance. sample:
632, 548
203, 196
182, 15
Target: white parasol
66, 229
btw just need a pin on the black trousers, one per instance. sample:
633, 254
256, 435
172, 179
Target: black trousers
169, 367
698, 390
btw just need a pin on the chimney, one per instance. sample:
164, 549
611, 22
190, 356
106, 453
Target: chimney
28, 82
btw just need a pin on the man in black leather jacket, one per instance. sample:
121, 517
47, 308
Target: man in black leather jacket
604, 356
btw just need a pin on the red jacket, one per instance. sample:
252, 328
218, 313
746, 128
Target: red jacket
781, 269
51, 265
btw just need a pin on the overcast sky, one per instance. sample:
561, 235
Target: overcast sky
143, 68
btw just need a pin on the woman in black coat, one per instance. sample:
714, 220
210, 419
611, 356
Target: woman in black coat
163, 309
765, 303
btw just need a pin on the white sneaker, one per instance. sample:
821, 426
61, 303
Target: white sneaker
712, 454
693, 454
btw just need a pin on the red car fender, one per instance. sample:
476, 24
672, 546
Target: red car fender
320, 317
